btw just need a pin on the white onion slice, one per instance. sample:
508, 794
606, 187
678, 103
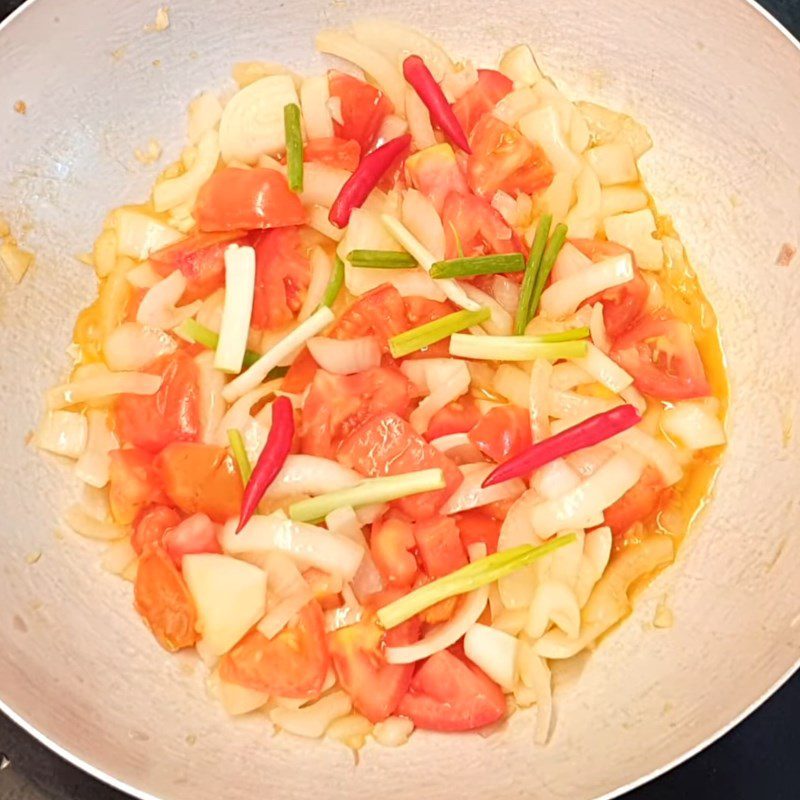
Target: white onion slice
500, 323
494, 651
88, 526
314, 95
554, 602
541, 375
183, 189
64, 433
321, 269
132, 346
103, 385
317, 218
470, 494
345, 356
656, 452
393, 731
596, 553
451, 441
311, 475
312, 720
597, 328
447, 379
367, 580
158, 307
139, 234
421, 218
143, 276
603, 369
93, 465
555, 479
322, 183
419, 121
567, 375
693, 424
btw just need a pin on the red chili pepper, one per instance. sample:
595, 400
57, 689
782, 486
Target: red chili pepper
271, 460
419, 76
365, 179
591, 431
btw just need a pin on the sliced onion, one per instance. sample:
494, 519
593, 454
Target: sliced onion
211, 406
494, 651
554, 602
391, 127
237, 417
170, 193
210, 312
604, 369
102, 385
93, 465
567, 375
596, 553
236, 700
694, 424
541, 374
542, 127
570, 262
416, 283
314, 96
535, 674
86, 525
445, 378
345, 356
515, 105
513, 383
451, 441
447, 633
321, 269
500, 322
590, 459
306, 543
118, 557
158, 307
421, 218
656, 452
393, 731
132, 346
597, 329
64, 433
555, 479
312, 720
572, 407
506, 292
419, 121
311, 475
367, 580
143, 276
322, 183
470, 493
317, 218
139, 234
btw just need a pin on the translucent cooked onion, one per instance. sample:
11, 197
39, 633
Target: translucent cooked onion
494, 651
101, 385
694, 424
604, 369
64, 433
535, 675
421, 218
93, 465
345, 356
314, 95
445, 379
132, 346
312, 720
470, 493
322, 183
500, 323
311, 475
419, 121
321, 268
393, 731
86, 525
158, 307
554, 602
367, 580
594, 560
183, 189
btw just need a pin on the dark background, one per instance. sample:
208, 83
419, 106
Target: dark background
759, 759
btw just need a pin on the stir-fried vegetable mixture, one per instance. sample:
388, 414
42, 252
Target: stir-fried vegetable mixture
393, 389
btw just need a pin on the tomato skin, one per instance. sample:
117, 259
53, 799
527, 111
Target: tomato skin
448, 695
660, 353
133, 484
386, 444
503, 159
201, 259
477, 527
293, 663
434, 171
491, 88
479, 229
420, 310
380, 312
439, 545
636, 505
301, 373
375, 687
196, 534
283, 273
459, 416
247, 199
621, 304
163, 600
363, 109
151, 525
391, 544
502, 433
333, 151
171, 414
200, 478
338, 404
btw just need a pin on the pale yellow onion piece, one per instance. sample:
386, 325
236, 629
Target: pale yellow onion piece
419, 215
284, 608
555, 479
236, 700
563, 565
210, 384
583, 218
567, 376
253, 376
470, 494
210, 313
170, 193
314, 95
118, 556
419, 121
392, 127
613, 163
351, 730
132, 346
693, 424
513, 383
139, 234
317, 218
603, 369
494, 651
635, 231
555, 200
515, 105
64, 433
597, 329
579, 135
158, 308
608, 126
543, 127
554, 602
345, 522
240, 277
321, 266
252, 121
535, 675
506, 206
143, 276
500, 322
519, 65
205, 112
541, 375
393, 731
237, 415
311, 475
570, 408
93, 465
345, 357
374, 64
86, 525
634, 397
510, 620
621, 199
101, 386
596, 553
662, 455
322, 183
312, 720
446, 380
516, 589
104, 252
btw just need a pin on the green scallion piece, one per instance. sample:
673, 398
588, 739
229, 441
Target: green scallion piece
294, 146
548, 260
479, 573
478, 265
516, 348
431, 332
381, 259
240, 455
335, 283
531, 270
572, 335
369, 491
205, 336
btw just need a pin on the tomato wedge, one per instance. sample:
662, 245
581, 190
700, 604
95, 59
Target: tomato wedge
363, 109
436, 173
386, 444
439, 545
491, 88
446, 694
293, 663
163, 600
661, 354
392, 544
333, 151
248, 199
133, 484
503, 432
473, 228
380, 312
637, 504
151, 526
201, 478
459, 416
375, 687
171, 414
479, 527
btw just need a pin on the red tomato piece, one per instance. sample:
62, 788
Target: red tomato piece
333, 151
421, 310
196, 534
282, 276
293, 663
478, 527
363, 109
661, 354
380, 313
301, 373
638, 504
446, 694
201, 259
248, 199
338, 404
375, 686
439, 545
460, 416
436, 173
163, 600
387, 445
392, 543
491, 88
201, 478
171, 414
474, 228
133, 484
621, 304
502, 158
152, 525
502, 433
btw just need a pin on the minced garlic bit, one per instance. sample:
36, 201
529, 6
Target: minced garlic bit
21, 107
162, 21
16, 260
150, 155
663, 617
32, 558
